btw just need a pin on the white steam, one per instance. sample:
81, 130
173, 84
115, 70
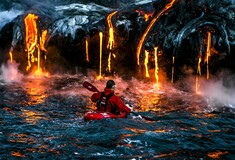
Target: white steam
217, 92
9, 73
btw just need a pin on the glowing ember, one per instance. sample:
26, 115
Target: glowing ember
140, 44
146, 61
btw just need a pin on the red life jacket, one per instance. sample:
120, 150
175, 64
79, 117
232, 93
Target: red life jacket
103, 105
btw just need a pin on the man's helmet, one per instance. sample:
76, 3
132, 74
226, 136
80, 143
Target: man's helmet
110, 84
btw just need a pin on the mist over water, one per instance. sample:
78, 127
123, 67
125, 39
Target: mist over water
48, 111
9, 73
216, 91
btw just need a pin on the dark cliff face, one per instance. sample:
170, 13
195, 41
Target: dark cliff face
179, 31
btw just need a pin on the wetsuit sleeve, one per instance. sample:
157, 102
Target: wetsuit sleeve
95, 97
122, 106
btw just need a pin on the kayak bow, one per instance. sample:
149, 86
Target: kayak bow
98, 115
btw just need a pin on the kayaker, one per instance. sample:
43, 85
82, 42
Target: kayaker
108, 101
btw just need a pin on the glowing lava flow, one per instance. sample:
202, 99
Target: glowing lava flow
206, 59
140, 44
111, 35
173, 69
208, 53
101, 40
43, 40
31, 37
146, 61
11, 57
109, 62
87, 50
111, 38
156, 67
32, 42
146, 16
198, 74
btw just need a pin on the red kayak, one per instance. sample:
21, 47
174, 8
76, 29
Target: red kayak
98, 115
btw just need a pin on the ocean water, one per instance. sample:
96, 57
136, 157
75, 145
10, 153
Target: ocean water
42, 118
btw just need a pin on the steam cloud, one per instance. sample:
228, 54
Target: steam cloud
9, 73
218, 92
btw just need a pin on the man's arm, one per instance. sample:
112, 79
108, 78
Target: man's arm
122, 106
95, 97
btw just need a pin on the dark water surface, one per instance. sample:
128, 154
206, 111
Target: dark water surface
42, 118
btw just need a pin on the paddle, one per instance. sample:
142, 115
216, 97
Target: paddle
92, 88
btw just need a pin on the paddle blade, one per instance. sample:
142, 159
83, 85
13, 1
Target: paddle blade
146, 118
90, 87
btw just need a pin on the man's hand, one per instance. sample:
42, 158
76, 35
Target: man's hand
130, 107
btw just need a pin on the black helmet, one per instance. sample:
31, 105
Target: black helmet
110, 84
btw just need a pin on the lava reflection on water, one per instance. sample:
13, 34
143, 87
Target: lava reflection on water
37, 90
43, 117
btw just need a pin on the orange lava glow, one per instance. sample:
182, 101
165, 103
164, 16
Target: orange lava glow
197, 85
146, 16
101, 44
160, 131
36, 90
32, 117
17, 154
156, 67
11, 57
109, 61
214, 131
206, 115
217, 154
43, 40
111, 37
31, 37
111, 32
87, 51
146, 61
136, 130
173, 69
33, 42
140, 44
208, 53
165, 155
